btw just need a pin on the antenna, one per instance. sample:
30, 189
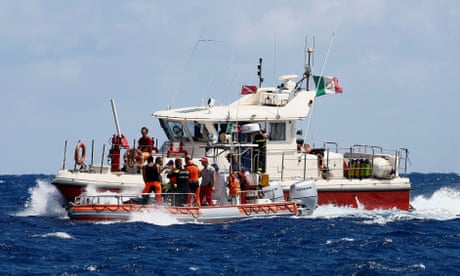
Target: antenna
274, 56
309, 52
308, 57
187, 64
314, 47
259, 72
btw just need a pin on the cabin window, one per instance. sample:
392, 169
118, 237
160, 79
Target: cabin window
164, 126
177, 131
198, 131
277, 131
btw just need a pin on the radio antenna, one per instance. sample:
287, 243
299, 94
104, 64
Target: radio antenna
308, 57
259, 72
274, 56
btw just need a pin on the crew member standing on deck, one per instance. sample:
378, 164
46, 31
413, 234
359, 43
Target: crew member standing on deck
145, 143
193, 181
208, 181
182, 189
151, 174
169, 186
261, 140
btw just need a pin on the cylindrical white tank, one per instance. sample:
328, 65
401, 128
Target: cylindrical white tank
382, 168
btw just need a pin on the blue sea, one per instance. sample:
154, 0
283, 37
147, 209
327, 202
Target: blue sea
38, 238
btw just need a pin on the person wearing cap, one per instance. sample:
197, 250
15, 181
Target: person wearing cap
208, 180
193, 181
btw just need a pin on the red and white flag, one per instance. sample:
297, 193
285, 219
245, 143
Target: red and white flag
248, 89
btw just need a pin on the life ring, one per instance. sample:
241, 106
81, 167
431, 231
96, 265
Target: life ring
131, 155
80, 159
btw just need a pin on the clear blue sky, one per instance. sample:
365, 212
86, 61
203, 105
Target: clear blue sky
62, 61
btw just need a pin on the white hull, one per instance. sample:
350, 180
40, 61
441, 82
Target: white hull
267, 203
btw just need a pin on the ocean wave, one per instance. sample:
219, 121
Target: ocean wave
61, 235
158, 217
44, 200
442, 204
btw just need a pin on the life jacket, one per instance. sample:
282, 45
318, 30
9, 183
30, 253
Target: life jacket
194, 172
234, 184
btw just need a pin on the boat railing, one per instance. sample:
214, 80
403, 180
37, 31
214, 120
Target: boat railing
249, 196
166, 199
127, 162
331, 161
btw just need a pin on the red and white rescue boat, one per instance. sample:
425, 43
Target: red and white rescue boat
364, 176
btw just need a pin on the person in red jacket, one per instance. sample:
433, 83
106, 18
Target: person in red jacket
145, 143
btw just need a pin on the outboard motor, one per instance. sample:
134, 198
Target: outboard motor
274, 192
304, 193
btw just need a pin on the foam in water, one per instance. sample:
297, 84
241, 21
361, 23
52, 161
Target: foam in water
157, 217
340, 240
44, 200
61, 235
106, 197
441, 205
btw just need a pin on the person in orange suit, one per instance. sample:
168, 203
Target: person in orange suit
193, 181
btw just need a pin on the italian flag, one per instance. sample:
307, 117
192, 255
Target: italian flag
327, 85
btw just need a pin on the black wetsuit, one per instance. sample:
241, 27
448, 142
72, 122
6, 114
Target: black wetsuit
182, 186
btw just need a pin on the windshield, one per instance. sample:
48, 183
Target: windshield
198, 131
174, 130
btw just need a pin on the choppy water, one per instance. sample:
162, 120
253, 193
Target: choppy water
38, 238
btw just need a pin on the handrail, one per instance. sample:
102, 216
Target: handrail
122, 199
399, 159
332, 143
